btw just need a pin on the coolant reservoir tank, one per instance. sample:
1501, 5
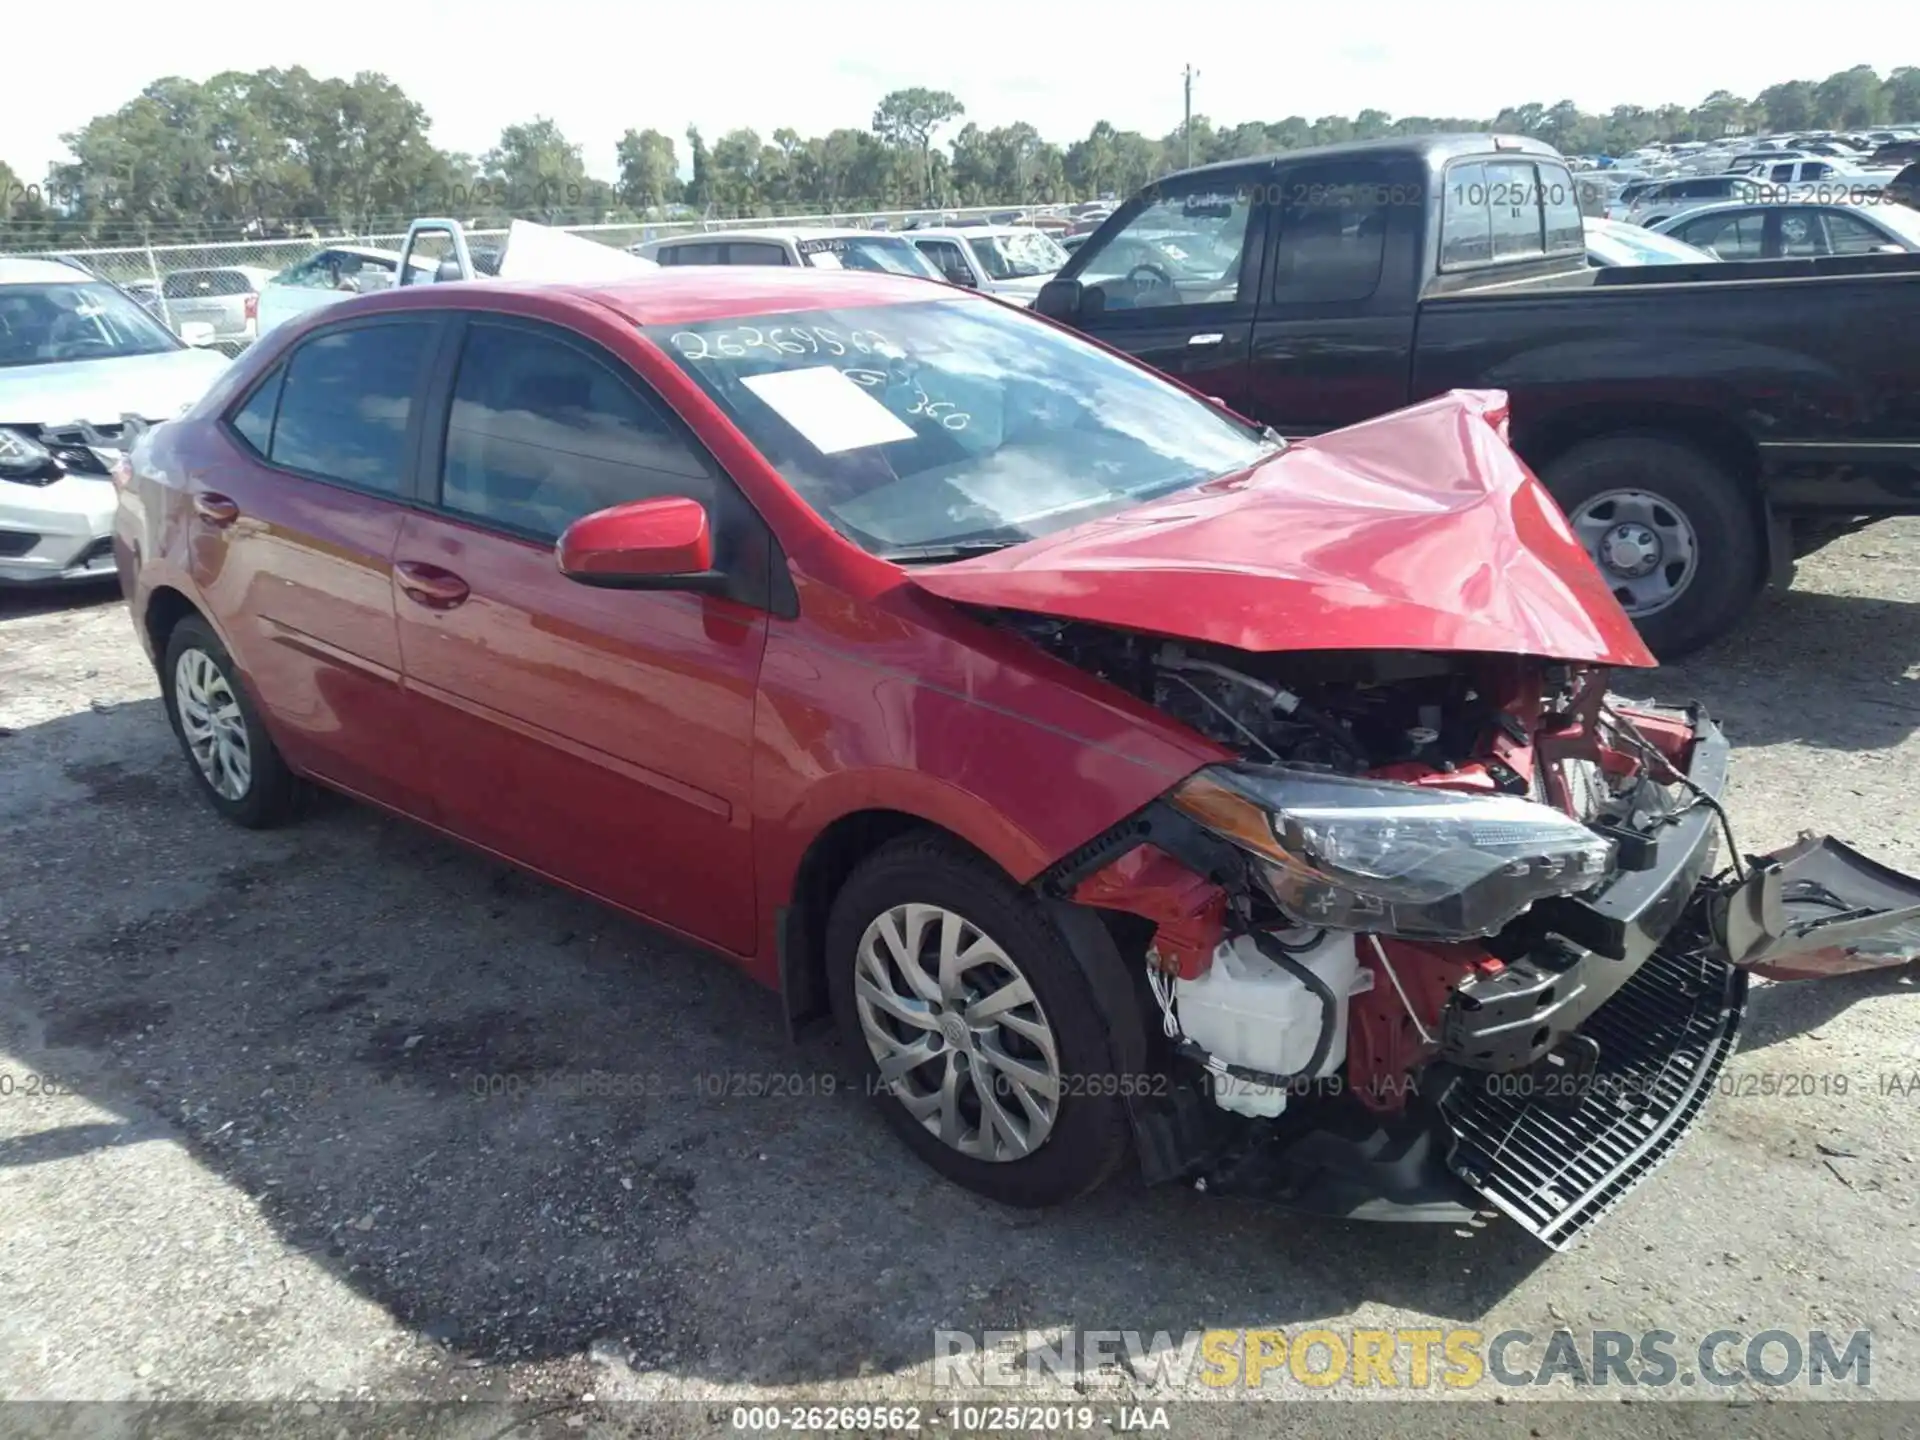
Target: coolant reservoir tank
1249, 1011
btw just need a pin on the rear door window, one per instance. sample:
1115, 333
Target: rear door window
755, 252
704, 254
1332, 231
347, 401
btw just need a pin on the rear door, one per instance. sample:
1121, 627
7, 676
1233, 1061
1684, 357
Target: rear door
1174, 282
295, 526
1335, 326
600, 736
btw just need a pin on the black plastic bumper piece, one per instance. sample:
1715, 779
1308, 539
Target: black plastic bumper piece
1390, 1171
1585, 951
1557, 1158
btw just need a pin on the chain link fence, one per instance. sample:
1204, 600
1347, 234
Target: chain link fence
171, 267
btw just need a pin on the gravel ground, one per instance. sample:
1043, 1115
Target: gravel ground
269, 1167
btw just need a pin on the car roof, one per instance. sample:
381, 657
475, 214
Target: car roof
1435, 149
796, 233
969, 232
1721, 207
15, 270
681, 295
372, 252
255, 271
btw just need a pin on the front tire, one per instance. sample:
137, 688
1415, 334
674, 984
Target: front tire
973, 1025
234, 762
1672, 532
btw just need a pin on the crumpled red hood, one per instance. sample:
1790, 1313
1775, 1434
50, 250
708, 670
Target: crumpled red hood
1420, 530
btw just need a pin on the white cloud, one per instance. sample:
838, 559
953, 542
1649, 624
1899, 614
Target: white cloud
599, 68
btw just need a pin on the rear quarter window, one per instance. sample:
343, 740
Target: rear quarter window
204, 284
1518, 209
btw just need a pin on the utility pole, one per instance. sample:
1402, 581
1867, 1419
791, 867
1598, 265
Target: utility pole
1186, 128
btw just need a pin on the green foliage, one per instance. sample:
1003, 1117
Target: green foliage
277, 152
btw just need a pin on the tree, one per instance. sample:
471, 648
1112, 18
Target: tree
649, 170
735, 166
1851, 98
699, 190
289, 152
907, 119
535, 167
1788, 105
1901, 94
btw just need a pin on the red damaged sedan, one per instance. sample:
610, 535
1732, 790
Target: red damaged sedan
1121, 780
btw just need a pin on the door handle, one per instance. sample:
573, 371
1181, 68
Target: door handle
215, 509
429, 585
1212, 337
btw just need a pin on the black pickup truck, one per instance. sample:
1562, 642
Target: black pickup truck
1702, 425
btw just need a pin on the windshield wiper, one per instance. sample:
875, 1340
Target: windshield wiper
953, 550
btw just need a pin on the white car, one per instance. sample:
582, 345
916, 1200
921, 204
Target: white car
1612, 243
817, 248
333, 274
83, 369
1010, 261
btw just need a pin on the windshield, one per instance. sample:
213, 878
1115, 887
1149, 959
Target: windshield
45, 324
1019, 255
888, 253
1631, 245
924, 430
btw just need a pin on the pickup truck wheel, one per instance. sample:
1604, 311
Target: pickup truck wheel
1670, 530
973, 1026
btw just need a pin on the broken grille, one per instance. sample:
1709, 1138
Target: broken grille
1556, 1164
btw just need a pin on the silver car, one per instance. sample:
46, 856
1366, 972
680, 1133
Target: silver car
83, 368
225, 297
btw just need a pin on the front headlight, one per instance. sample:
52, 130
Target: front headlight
1353, 854
21, 455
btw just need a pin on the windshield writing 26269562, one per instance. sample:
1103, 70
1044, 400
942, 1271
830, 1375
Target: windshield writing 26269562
743, 341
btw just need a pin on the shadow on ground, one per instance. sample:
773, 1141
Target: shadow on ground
1829, 671
524, 1124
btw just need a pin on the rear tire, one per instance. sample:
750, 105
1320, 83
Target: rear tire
899, 900
1700, 498
234, 762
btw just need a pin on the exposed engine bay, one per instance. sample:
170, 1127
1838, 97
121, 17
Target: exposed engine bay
1449, 929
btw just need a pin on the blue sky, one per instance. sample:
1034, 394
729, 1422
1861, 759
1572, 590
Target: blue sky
599, 68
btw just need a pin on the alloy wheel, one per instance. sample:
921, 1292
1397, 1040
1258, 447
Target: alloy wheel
957, 1032
212, 724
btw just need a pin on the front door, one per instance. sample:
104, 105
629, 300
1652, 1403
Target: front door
1173, 282
599, 736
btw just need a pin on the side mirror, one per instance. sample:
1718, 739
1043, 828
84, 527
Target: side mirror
662, 544
447, 270
1060, 299
961, 277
